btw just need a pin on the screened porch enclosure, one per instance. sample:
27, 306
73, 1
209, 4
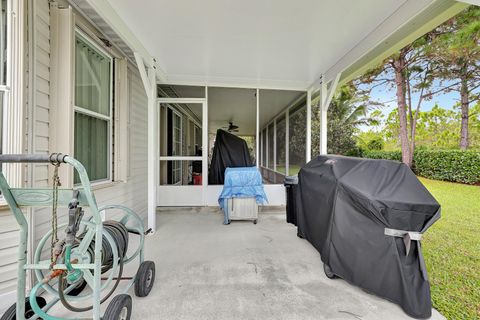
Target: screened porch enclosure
273, 123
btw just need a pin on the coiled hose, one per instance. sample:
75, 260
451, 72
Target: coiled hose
119, 233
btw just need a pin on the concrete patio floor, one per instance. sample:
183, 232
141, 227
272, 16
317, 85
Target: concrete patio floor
206, 270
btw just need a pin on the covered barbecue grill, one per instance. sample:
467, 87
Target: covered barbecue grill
366, 218
229, 151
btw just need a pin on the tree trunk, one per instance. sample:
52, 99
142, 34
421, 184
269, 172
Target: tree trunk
464, 107
399, 66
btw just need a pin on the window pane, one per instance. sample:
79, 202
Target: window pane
92, 78
3, 42
281, 127
297, 139
180, 133
270, 146
91, 146
180, 172
198, 141
2, 97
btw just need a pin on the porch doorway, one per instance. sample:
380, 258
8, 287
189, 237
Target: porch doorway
182, 162
188, 118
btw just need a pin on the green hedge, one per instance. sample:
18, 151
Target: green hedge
448, 165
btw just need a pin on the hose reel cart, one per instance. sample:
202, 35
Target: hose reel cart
90, 253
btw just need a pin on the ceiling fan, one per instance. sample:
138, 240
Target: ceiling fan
231, 127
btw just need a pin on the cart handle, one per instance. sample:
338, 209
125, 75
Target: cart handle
53, 158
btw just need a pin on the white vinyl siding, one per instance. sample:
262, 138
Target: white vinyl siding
132, 193
8, 226
41, 112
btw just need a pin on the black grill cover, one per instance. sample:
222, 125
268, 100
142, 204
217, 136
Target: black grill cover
344, 206
229, 151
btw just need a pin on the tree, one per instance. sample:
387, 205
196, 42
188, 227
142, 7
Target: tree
455, 51
409, 72
437, 128
347, 112
474, 125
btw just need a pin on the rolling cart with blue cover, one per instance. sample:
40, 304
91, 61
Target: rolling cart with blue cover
90, 253
242, 193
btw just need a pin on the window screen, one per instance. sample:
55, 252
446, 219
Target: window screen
281, 127
93, 119
297, 138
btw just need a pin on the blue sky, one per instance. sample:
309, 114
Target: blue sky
386, 95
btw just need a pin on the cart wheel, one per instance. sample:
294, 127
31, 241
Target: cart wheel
120, 308
78, 288
145, 278
255, 221
328, 272
11, 312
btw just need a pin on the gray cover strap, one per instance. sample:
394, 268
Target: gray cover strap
407, 236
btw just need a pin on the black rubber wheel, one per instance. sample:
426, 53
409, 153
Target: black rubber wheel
145, 278
78, 288
328, 272
255, 221
11, 312
120, 308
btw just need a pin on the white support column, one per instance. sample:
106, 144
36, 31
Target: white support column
287, 143
149, 80
308, 144
326, 96
152, 150
274, 144
323, 118
323, 131
257, 130
205, 147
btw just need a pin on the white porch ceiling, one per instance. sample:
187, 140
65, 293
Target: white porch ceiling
267, 43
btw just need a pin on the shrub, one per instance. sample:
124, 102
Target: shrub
387, 155
355, 152
376, 144
448, 165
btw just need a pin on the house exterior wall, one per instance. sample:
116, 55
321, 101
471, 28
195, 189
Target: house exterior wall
130, 191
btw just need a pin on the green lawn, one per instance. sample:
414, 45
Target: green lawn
452, 250
292, 169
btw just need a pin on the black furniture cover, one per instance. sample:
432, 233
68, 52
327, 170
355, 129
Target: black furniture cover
229, 151
365, 217
291, 188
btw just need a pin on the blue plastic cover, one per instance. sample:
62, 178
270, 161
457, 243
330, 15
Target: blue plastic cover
242, 182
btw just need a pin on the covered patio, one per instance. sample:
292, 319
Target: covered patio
172, 73
254, 66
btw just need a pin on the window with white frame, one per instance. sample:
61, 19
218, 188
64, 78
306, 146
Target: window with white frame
3, 64
93, 109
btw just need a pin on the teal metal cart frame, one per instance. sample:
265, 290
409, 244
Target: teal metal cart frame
19, 198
